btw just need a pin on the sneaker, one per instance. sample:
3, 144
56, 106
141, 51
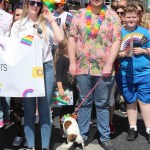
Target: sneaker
148, 137
112, 129
6, 122
25, 143
1, 124
108, 145
17, 141
132, 135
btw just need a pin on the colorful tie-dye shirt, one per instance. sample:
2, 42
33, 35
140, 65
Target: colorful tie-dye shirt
92, 54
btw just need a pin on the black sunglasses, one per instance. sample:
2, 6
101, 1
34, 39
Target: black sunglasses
32, 3
120, 13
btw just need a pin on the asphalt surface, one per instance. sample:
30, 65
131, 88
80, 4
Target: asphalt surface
118, 139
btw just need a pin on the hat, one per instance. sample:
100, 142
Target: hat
59, 1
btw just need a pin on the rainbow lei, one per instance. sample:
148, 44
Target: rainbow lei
92, 32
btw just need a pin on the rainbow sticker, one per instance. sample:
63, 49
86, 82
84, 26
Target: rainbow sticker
37, 72
26, 92
27, 40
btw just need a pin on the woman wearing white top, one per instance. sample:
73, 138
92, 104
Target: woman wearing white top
34, 22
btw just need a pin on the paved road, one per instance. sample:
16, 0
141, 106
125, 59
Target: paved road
7, 135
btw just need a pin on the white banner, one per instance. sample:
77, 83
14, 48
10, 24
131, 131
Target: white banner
21, 67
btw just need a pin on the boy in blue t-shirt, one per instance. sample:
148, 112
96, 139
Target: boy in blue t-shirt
134, 71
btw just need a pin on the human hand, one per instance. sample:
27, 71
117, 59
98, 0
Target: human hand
47, 14
138, 50
61, 91
64, 27
72, 69
107, 70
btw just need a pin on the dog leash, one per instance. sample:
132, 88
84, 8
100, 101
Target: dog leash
88, 95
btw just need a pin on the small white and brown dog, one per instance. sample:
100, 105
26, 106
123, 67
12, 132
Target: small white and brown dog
72, 132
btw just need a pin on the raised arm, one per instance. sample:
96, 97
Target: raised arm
58, 35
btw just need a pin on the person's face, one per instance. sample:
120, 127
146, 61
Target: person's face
131, 20
2, 4
17, 14
35, 6
140, 12
120, 12
97, 3
59, 8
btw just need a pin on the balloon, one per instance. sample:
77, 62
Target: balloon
50, 4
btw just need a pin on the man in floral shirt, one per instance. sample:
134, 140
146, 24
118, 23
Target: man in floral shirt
93, 46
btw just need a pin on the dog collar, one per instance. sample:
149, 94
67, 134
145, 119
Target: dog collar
67, 116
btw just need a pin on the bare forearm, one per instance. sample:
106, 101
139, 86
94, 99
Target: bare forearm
59, 85
72, 49
58, 34
146, 51
113, 52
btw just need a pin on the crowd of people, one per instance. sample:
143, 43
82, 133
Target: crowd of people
94, 50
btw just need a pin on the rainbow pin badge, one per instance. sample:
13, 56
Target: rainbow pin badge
27, 40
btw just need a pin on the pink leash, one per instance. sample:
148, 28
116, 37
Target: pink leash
88, 94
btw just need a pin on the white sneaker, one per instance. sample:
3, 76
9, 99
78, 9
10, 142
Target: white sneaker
17, 141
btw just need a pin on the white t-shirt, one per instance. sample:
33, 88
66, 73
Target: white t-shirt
25, 27
6, 20
62, 18
1, 32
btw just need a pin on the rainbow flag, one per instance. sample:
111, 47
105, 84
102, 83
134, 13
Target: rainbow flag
27, 40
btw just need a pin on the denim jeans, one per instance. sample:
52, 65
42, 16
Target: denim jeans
4, 108
100, 96
43, 108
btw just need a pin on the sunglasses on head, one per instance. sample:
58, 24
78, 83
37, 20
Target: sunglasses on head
32, 3
120, 13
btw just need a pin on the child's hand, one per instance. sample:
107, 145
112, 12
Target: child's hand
61, 91
138, 50
124, 54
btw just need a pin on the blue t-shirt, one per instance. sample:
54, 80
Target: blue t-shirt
137, 65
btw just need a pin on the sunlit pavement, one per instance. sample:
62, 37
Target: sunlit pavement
118, 139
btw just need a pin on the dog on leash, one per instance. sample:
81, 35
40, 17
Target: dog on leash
72, 132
